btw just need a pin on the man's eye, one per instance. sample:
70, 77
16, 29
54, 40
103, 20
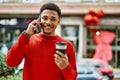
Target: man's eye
53, 19
45, 18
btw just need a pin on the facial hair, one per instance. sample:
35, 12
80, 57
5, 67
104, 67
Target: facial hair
45, 31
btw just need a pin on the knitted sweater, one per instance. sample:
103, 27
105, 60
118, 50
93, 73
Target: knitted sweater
38, 52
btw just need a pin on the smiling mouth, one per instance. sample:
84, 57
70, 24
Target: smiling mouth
47, 26
47, 29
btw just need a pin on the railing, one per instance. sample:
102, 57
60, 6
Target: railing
60, 1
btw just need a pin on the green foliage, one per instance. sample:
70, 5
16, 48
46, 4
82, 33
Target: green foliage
4, 70
17, 76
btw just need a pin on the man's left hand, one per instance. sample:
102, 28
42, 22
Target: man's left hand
61, 60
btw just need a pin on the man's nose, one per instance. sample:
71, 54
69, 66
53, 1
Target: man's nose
48, 22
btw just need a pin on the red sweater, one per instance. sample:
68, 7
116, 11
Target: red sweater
38, 52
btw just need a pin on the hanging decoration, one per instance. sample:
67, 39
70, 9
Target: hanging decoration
102, 39
93, 17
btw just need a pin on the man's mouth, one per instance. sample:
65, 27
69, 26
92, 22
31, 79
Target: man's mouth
47, 26
47, 29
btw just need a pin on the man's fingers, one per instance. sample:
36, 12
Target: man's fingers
62, 62
35, 30
34, 22
36, 25
58, 59
60, 54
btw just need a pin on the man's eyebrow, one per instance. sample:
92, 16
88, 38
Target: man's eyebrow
44, 16
53, 17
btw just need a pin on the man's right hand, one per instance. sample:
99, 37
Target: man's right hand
32, 27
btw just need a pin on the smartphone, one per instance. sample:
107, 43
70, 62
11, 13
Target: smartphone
61, 46
38, 27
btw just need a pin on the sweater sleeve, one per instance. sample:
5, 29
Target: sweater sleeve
16, 52
70, 73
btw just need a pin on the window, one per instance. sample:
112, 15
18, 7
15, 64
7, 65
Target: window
115, 44
10, 29
70, 32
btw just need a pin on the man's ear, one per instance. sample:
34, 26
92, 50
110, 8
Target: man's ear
59, 21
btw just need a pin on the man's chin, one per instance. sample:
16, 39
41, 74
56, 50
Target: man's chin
47, 32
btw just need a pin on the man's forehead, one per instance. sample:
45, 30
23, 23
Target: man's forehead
50, 13
49, 16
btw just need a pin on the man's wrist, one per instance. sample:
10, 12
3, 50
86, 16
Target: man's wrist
26, 34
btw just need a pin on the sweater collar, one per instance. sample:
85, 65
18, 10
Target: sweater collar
48, 37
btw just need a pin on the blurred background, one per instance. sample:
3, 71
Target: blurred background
15, 15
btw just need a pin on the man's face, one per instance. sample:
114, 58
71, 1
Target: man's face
50, 19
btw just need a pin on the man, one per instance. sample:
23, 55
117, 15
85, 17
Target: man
39, 51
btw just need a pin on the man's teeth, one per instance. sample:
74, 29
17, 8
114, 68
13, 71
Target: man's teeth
48, 27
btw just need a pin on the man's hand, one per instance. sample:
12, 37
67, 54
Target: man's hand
32, 27
61, 60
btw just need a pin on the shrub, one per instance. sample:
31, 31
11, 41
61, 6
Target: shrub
4, 70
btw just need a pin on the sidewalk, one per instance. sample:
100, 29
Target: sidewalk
117, 73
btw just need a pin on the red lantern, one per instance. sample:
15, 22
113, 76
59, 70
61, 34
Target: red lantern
88, 19
93, 12
100, 13
95, 20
